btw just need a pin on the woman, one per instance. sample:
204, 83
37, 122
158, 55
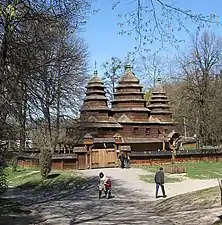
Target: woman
127, 161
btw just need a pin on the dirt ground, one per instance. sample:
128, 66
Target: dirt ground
133, 203
129, 179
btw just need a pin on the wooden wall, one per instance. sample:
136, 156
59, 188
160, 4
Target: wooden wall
102, 158
56, 164
160, 161
146, 147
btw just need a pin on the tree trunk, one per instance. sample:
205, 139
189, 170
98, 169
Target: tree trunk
57, 131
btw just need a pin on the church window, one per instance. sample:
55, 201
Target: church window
135, 129
147, 130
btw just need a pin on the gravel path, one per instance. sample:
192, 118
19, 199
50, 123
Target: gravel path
133, 202
129, 179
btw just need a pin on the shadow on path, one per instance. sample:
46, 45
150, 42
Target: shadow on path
76, 202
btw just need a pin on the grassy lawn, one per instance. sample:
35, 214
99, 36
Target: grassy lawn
31, 177
149, 178
206, 198
197, 170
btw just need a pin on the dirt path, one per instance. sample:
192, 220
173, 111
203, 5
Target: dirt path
129, 179
133, 203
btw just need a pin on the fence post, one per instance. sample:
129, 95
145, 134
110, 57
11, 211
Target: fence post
221, 192
220, 186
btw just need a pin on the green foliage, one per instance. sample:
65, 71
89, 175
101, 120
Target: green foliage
148, 96
45, 161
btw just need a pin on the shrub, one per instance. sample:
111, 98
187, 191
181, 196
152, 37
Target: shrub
45, 162
3, 180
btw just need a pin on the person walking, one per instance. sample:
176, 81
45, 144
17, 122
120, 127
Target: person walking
122, 158
159, 180
127, 161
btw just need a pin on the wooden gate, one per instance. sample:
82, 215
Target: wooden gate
103, 158
82, 161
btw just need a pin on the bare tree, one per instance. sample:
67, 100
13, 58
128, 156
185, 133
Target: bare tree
200, 67
40, 68
158, 21
152, 67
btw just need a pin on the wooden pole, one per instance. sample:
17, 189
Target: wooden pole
90, 157
164, 148
221, 192
86, 160
173, 155
220, 186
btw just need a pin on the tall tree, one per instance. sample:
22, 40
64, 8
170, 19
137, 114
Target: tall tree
39, 64
153, 67
200, 68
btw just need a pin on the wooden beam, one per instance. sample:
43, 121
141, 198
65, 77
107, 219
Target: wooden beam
86, 161
220, 186
164, 146
90, 157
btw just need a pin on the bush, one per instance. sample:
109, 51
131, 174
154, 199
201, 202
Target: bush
14, 162
45, 162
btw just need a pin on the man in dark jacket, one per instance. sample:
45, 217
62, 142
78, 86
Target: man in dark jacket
121, 158
159, 180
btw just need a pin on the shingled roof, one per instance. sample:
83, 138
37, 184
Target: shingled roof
124, 119
159, 89
128, 76
153, 120
95, 78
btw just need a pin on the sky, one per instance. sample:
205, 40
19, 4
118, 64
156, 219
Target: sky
101, 31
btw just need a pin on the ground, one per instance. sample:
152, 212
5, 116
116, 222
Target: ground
133, 202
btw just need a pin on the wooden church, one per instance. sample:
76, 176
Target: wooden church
146, 133
127, 126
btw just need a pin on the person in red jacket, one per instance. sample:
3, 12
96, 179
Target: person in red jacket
104, 185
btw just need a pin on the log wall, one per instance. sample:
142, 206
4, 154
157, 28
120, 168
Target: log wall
72, 164
160, 161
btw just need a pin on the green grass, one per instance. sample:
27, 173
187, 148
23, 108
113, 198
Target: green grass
204, 170
31, 178
58, 183
21, 175
197, 170
149, 178
206, 198
189, 148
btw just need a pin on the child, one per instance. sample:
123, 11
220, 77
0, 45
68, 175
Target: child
104, 184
